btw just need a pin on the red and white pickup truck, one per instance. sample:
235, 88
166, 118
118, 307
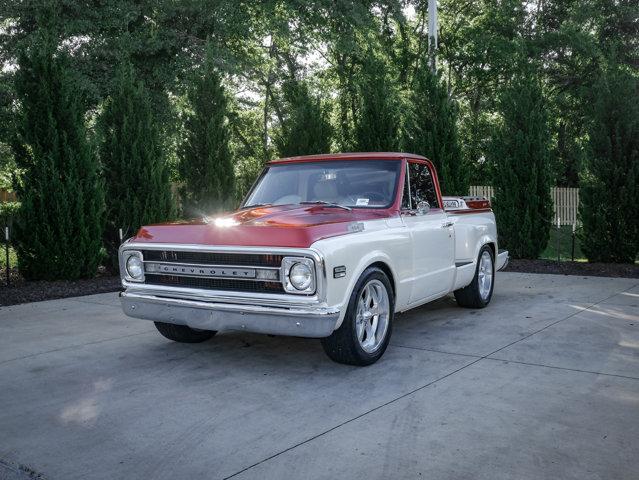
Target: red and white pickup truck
324, 246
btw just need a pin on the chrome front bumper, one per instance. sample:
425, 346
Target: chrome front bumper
309, 321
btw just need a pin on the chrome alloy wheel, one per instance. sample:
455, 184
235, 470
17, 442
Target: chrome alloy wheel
371, 321
485, 275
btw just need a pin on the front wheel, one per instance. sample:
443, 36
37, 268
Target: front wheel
480, 290
366, 330
183, 334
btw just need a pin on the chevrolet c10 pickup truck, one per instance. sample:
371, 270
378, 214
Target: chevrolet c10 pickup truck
323, 246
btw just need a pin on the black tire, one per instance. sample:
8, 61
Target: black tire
342, 346
470, 296
183, 334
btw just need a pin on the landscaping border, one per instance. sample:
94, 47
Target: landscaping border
22, 291
574, 268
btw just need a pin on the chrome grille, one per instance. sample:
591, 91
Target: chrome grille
215, 283
214, 258
238, 272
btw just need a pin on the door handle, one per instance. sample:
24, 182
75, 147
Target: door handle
447, 224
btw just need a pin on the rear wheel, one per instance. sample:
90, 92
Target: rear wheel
183, 334
365, 332
480, 290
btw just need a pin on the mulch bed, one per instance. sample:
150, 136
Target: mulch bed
22, 291
574, 268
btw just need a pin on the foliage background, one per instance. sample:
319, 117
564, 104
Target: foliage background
357, 64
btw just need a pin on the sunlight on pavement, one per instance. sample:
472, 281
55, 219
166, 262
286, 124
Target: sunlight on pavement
85, 411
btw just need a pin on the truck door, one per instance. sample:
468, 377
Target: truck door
432, 234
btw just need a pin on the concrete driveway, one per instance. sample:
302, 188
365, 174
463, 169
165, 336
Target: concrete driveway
544, 383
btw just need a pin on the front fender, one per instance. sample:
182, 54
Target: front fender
387, 241
366, 261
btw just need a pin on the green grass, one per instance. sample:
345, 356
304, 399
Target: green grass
565, 245
13, 259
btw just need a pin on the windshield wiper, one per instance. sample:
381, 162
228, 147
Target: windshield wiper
327, 204
255, 205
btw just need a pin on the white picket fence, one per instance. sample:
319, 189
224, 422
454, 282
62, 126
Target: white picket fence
566, 202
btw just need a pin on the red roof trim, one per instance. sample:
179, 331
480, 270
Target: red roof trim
350, 156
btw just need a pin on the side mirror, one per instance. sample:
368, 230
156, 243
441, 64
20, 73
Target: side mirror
423, 208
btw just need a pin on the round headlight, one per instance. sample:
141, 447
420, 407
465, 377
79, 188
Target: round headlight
134, 267
300, 276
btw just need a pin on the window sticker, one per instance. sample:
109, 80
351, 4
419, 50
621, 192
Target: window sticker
361, 202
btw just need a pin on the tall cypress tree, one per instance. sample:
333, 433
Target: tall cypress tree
305, 129
59, 226
138, 191
377, 121
430, 129
520, 150
206, 166
608, 208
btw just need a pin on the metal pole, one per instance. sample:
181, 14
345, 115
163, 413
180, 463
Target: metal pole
432, 34
558, 240
6, 254
574, 229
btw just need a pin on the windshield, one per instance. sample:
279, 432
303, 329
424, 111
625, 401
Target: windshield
354, 183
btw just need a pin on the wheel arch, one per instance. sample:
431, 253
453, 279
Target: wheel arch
486, 240
384, 267
375, 259
493, 247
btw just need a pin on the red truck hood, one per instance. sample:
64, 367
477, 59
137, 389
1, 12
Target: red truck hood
277, 226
